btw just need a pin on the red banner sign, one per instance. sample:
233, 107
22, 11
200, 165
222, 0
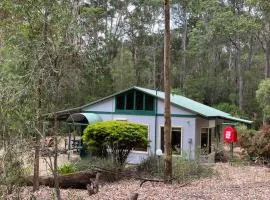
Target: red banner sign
229, 134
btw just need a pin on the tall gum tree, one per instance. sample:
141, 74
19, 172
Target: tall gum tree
167, 87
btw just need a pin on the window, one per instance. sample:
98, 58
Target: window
176, 140
130, 100
139, 100
206, 142
149, 103
142, 147
136, 101
120, 102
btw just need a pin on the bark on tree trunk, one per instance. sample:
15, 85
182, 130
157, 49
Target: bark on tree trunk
184, 42
37, 143
136, 58
167, 87
250, 53
240, 76
55, 162
267, 61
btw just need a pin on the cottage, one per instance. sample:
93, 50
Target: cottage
195, 126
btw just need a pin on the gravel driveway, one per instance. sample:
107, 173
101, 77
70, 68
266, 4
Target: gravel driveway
244, 182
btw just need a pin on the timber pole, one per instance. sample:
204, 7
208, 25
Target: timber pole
167, 88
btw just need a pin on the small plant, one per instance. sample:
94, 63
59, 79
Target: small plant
66, 169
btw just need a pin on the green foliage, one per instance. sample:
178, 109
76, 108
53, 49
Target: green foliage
120, 137
67, 168
229, 108
255, 143
89, 164
12, 175
263, 97
153, 166
183, 169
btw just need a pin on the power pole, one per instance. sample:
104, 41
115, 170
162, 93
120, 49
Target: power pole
167, 88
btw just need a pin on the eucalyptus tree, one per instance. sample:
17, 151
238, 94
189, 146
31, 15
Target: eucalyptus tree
43, 35
263, 96
261, 9
227, 27
142, 22
167, 101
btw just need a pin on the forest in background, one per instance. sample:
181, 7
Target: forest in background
61, 54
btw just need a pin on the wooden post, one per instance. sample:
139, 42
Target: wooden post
231, 152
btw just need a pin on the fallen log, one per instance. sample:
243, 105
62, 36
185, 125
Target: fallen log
77, 180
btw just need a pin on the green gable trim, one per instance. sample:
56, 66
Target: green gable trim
179, 115
134, 112
143, 113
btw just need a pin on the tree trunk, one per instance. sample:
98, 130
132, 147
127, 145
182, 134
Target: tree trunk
136, 57
55, 162
267, 61
250, 53
37, 143
167, 87
184, 47
239, 76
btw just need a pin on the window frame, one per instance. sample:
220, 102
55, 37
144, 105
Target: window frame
117, 101
209, 146
148, 139
182, 131
134, 110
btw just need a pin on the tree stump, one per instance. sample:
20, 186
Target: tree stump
93, 187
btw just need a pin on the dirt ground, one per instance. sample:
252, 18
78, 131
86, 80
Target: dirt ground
241, 182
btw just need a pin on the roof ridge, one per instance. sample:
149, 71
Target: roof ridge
186, 98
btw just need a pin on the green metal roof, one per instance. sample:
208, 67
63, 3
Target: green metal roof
177, 100
193, 106
91, 117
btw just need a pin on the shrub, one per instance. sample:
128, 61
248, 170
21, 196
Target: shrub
66, 169
183, 169
113, 168
221, 156
255, 143
120, 137
153, 166
87, 164
12, 175
190, 169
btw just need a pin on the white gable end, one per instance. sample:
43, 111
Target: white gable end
106, 105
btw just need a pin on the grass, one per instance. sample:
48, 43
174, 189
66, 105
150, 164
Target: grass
67, 168
153, 167
183, 169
